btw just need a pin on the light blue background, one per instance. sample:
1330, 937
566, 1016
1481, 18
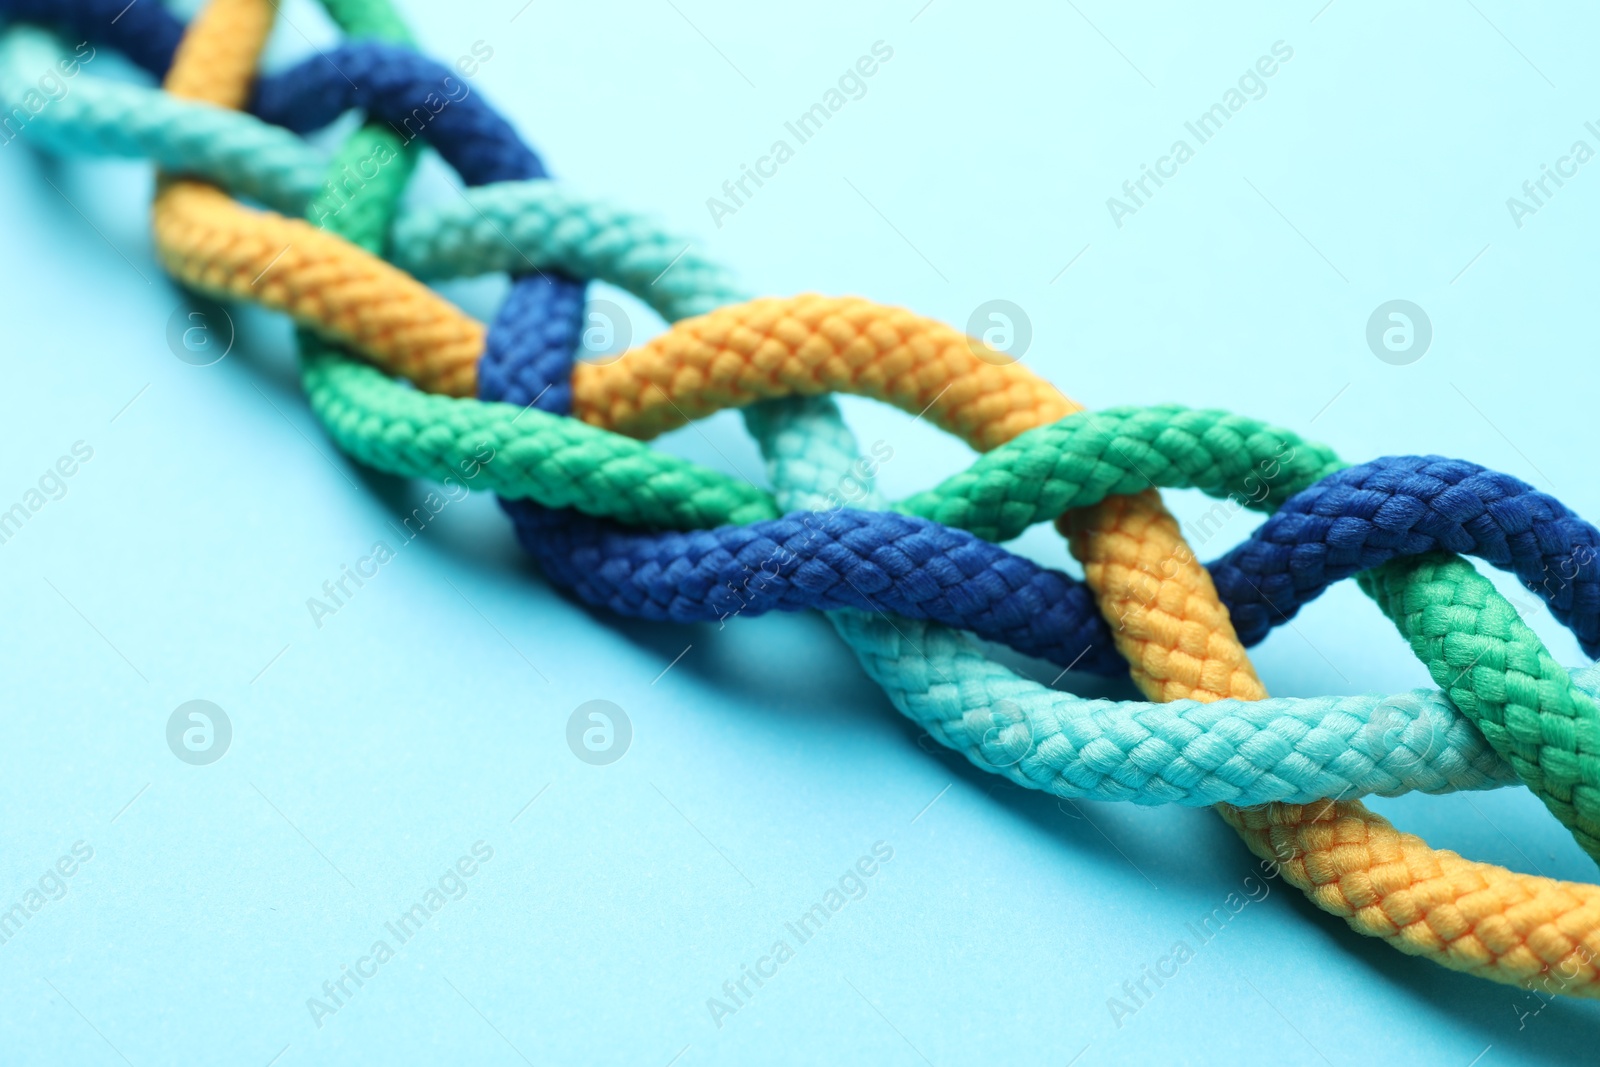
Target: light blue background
424, 716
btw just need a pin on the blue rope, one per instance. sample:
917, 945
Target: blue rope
1364, 516
413, 94
145, 32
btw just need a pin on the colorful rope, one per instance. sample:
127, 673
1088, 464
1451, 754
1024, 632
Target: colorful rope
1473, 917
1161, 610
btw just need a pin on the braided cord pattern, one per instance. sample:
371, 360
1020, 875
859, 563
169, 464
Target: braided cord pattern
825, 559
905, 564
759, 348
103, 117
397, 87
1185, 752
909, 564
810, 344
730, 357
840, 424
1505, 926
1361, 517
1497, 670
145, 32
1025, 481
292, 266
512, 225
1181, 642
436, 438
1218, 674
1257, 599
1192, 653
921, 567
636, 594
1084, 458
815, 344
1469, 916
1170, 626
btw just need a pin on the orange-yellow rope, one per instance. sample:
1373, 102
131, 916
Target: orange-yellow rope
807, 345
731, 357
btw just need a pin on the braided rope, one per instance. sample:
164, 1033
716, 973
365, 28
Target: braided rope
1575, 591
912, 565
102, 117
1361, 517
1476, 917
1189, 644
1223, 454
145, 32
218, 247
1185, 752
1194, 652
240, 93
1184, 662
1493, 666
811, 344
728, 358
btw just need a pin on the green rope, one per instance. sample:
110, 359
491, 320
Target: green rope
1498, 672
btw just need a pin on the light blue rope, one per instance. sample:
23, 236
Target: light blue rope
100, 117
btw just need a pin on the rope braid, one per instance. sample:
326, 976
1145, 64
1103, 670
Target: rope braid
1159, 607
1475, 917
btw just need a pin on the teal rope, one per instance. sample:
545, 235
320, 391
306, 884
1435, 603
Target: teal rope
99, 117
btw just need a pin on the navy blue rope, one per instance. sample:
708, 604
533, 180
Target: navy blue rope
415, 95
1363, 516
145, 32
872, 560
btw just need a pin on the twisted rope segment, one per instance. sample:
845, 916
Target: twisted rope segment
1475, 917
1198, 655
909, 564
1361, 517
624, 589
1185, 752
103, 117
1478, 648
1026, 484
